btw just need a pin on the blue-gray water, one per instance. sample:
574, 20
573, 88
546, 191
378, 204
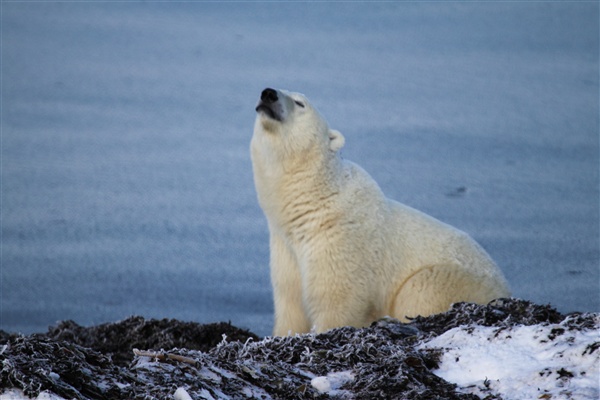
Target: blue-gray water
126, 178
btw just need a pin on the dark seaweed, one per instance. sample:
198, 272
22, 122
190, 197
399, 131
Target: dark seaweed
98, 362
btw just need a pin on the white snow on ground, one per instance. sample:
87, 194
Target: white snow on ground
522, 362
332, 382
181, 394
16, 394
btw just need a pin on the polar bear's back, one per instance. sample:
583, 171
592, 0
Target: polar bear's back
426, 241
419, 238
412, 240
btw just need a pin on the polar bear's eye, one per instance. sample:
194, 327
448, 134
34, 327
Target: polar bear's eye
299, 103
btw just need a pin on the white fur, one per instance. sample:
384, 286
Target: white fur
341, 252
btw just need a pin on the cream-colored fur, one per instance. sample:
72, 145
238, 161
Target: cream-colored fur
341, 252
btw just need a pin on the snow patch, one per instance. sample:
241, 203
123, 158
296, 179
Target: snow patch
181, 394
522, 361
332, 382
16, 394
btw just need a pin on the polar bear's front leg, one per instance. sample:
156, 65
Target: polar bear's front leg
336, 293
330, 309
290, 316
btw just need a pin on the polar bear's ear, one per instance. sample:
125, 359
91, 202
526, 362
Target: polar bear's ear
336, 140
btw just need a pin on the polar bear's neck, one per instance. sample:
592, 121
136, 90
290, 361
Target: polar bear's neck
291, 194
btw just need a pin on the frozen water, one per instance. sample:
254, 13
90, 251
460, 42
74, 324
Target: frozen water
126, 179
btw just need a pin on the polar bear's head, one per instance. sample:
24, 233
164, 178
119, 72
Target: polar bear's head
288, 126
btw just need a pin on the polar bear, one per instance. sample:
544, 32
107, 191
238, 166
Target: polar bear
341, 253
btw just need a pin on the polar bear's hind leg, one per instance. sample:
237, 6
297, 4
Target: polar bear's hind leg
433, 289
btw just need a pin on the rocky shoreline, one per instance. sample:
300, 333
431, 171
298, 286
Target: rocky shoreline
174, 359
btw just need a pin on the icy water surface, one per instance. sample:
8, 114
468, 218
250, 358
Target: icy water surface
126, 178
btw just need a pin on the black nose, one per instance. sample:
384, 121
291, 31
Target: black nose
269, 95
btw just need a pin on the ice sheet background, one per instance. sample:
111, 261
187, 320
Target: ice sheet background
126, 178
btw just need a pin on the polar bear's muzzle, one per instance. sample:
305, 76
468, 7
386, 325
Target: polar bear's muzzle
270, 104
